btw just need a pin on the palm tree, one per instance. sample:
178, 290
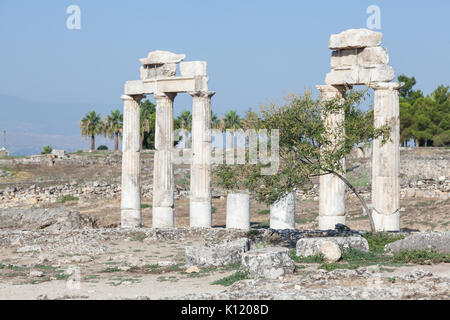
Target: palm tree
91, 125
233, 122
113, 125
184, 122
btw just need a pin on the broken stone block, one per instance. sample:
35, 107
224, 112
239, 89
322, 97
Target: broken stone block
311, 246
221, 254
269, 263
162, 57
359, 75
343, 75
193, 68
348, 57
437, 241
376, 73
156, 71
373, 55
355, 38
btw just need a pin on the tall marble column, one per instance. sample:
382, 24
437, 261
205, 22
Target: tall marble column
386, 159
332, 189
163, 182
200, 197
131, 181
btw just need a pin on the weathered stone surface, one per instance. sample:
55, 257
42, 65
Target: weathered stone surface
48, 219
282, 213
362, 57
437, 241
356, 75
311, 246
162, 57
221, 254
330, 251
270, 263
193, 68
355, 38
158, 71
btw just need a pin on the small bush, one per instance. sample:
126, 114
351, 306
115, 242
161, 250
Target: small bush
228, 281
102, 147
67, 198
138, 236
46, 150
145, 206
421, 257
264, 212
213, 209
299, 259
377, 241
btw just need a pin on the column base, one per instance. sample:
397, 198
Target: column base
200, 214
130, 218
386, 222
162, 217
329, 222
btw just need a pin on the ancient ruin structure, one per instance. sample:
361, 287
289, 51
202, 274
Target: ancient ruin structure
158, 77
358, 59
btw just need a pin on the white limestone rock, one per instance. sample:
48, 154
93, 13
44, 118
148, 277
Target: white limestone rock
282, 213
238, 211
193, 68
330, 252
362, 57
268, 263
162, 57
355, 38
222, 254
311, 246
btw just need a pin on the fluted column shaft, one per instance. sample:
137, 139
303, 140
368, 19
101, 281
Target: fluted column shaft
131, 182
163, 181
332, 189
386, 159
200, 196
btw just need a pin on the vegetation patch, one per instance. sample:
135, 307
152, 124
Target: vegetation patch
67, 198
421, 257
229, 280
378, 240
138, 236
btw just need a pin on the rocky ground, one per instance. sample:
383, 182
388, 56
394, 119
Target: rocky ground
59, 237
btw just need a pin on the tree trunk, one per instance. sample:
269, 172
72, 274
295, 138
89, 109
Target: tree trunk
92, 142
116, 141
361, 199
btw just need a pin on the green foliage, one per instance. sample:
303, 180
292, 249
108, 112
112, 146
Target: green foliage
227, 281
46, 150
421, 257
145, 206
138, 236
264, 212
67, 198
378, 240
299, 259
102, 147
424, 119
148, 120
90, 126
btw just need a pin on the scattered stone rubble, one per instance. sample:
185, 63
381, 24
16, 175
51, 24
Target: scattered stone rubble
268, 263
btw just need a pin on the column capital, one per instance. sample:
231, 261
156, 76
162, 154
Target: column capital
165, 95
333, 88
202, 94
136, 97
386, 85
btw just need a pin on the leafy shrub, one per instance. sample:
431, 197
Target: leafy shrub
102, 147
46, 150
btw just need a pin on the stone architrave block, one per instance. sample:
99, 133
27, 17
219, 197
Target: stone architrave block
358, 75
311, 246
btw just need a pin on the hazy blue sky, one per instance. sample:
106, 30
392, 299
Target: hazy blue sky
256, 50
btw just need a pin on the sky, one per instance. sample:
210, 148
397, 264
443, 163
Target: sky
50, 76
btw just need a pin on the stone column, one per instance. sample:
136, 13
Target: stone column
131, 181
386, 159
238, 211
200, 196
332, 189
163, 184
282, 213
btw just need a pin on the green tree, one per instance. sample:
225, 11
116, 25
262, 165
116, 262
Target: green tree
184, 122
307, 148
90, 126
233, 122
113, 125
148, 120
